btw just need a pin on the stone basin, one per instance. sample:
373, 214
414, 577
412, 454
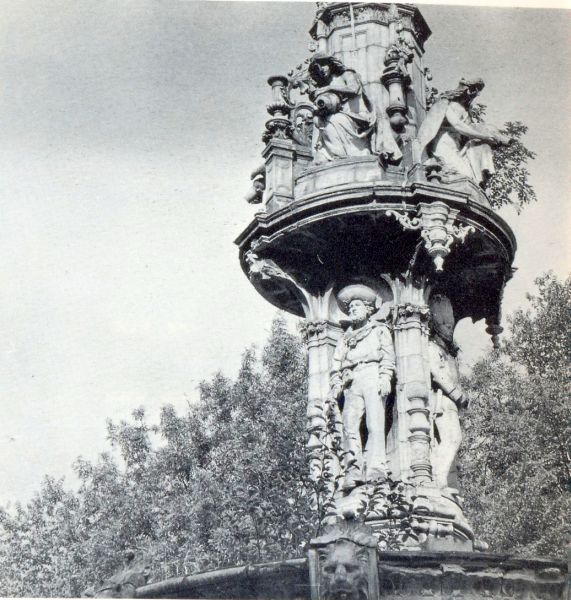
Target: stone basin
402, 575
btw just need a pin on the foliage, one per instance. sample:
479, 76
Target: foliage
515, 465
220, 485
394, 501
509, 184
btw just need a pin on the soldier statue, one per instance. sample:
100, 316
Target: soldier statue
448, 396
362, 370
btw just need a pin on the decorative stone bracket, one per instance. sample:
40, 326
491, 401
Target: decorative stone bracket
436, 222
264, 268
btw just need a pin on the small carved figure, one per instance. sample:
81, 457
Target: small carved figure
450, 135
344, 119
258, 177
263, 268
362, 370
124, 583
399, 55
448, 395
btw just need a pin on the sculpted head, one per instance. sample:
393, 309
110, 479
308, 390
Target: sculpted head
134, 574
359, 302
343, 572
466, 92
323, 66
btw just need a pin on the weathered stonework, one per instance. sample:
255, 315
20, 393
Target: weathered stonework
343, 564
400, 576
385, 195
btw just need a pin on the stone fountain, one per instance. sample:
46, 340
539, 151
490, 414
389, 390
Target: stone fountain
375, 228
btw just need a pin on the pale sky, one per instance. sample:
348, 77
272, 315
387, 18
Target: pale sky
127, 134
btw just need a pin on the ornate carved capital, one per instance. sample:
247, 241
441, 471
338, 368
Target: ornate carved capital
408, 315
278, 128
310, 330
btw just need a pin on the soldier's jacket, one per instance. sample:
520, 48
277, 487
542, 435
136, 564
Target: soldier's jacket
369, 344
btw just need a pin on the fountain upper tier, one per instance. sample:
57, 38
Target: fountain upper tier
368, 172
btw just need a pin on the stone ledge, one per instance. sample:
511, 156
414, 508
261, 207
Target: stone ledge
403, 576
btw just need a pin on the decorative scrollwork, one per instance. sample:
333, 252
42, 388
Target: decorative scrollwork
460, 232
405, 221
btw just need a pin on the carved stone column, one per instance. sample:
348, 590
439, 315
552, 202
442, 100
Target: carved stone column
320, 345
411, 334
323, 418
279, 151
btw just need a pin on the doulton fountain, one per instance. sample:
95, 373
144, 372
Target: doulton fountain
375, 228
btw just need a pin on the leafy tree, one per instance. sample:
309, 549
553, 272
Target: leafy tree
509, 184
515, 465
220, 485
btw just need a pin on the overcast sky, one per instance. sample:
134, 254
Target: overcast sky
127, 134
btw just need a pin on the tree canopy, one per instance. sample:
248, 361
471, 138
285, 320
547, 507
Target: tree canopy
221, 485
515, 462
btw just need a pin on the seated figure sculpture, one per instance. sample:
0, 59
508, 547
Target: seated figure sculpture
448, 396
362, 370
345, 122
450, 135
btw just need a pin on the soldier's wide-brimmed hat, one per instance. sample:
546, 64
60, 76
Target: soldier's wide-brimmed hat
356, 292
